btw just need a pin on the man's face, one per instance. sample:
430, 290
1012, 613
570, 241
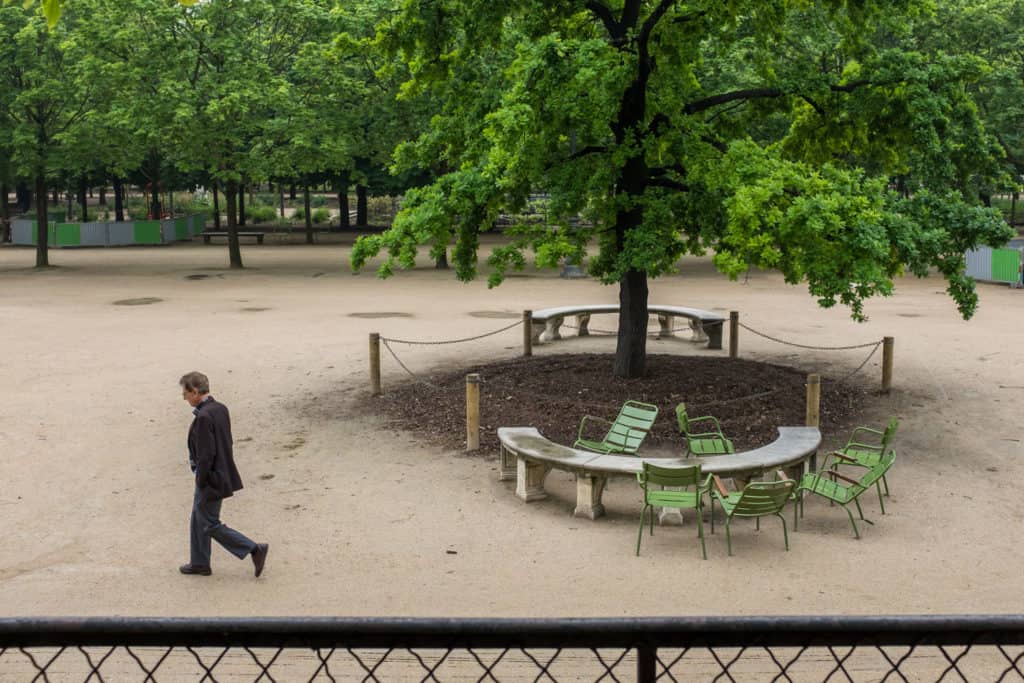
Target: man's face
192, 396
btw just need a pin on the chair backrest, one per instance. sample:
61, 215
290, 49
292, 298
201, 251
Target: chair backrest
876, 472
631, 425
763, 498
670, 476
889, 432
682, 419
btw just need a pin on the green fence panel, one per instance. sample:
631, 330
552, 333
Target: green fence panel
35, 233
1005, 265
147, 232
181, 229
68, 235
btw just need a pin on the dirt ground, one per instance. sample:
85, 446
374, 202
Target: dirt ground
365, 517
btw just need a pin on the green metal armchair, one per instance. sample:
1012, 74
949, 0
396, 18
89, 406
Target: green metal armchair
829, 483
866, 447
711, 442
757, 499
653, 479
625, 433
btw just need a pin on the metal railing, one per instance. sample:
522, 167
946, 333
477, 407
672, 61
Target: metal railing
846, 648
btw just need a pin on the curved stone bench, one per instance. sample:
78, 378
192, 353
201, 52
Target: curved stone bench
527, 457
706, 325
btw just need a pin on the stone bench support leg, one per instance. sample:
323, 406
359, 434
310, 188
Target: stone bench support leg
551, 328
506, 464
589, 488
537, 330
714, 334
697, 328
530, 478
582, 321
665, 323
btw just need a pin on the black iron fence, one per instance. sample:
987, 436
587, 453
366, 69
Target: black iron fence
904, 648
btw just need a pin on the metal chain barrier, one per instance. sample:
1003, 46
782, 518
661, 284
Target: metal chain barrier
805, 346
387, 341
452, 341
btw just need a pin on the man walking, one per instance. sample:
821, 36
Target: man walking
211, 459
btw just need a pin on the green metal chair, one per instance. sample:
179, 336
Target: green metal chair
702, 443
652, 476
757, 499
838, 488
625, 434
866, 447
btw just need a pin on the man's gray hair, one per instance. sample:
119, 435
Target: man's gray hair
195, 381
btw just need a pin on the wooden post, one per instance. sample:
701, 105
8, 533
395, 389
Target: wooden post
527, 333
472, 412
887, 344
375, 363
813, 400
734, 334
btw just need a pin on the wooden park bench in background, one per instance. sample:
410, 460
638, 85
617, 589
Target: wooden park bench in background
249, 233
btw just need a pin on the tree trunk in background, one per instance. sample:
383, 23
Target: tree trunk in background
280, 191
241, 206
23, 197
3, 200
118, 200
231, 197
56, 196
309, 217
361, 209
103, 195
1013, 207
42, 232
291, 192
343, 221
83, 200
71, 204
216, 207
441, 263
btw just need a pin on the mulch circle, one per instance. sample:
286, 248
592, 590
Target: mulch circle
552, 393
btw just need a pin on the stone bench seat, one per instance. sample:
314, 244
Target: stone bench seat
248, 233
528, 457
706, 325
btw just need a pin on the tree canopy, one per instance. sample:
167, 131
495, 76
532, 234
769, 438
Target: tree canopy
824, 140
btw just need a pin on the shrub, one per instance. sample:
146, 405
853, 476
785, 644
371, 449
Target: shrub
321, 215
299, 215
262, 214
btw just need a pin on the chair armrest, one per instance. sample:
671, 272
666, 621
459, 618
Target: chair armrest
842, 456
707, 418
640, 478
836, 475
583, 422
706, 486
720, 486
781, 476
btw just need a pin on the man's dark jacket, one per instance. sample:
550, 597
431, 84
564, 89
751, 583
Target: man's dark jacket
209, 444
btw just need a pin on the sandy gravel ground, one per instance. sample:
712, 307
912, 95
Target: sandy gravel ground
364, 520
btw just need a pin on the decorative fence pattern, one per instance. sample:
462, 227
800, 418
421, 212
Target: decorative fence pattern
899, 648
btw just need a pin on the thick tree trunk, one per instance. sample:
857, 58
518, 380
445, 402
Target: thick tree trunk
241, 207
309, 217
343, 221
280, 191
631, 349
361, 208
231, 197
83, 200
216, 207
441, 262
42, 231
103, 194
118, 200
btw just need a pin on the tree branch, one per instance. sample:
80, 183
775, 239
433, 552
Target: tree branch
725, 98
604, 13
668, 183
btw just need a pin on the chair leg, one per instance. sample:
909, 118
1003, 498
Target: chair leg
700, 532
859, 511
881, 504
785, 535
886, 484
712, 515
640, 533
850, 514
728, 538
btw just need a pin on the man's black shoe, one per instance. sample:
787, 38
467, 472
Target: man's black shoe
259, 557
195, 569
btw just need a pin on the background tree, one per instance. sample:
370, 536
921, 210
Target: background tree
768, 132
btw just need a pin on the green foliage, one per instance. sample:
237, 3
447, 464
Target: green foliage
262, 214
826, 140
321, 215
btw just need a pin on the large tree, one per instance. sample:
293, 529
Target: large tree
814, 138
